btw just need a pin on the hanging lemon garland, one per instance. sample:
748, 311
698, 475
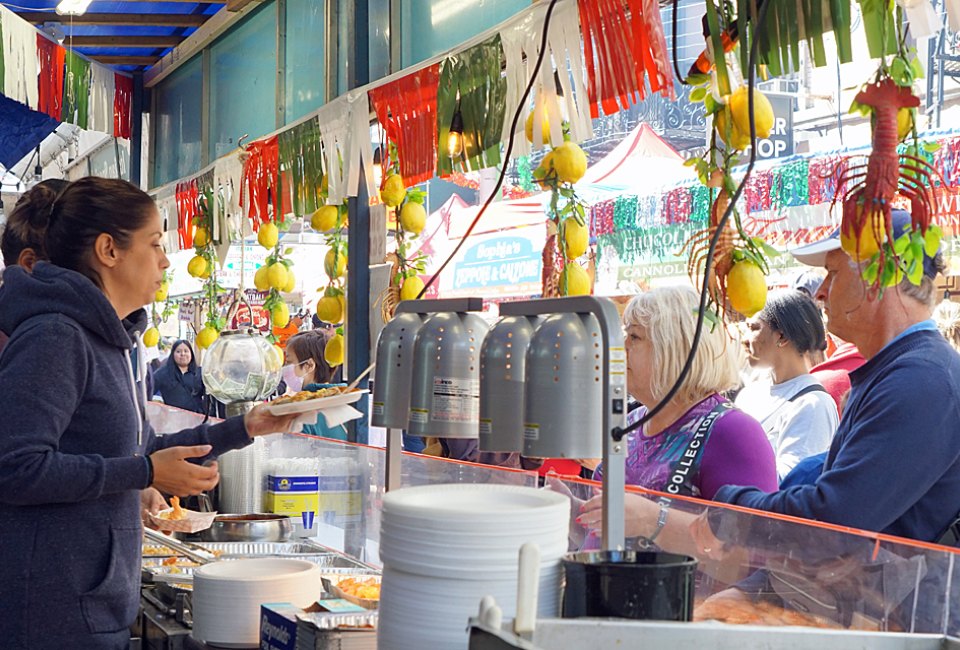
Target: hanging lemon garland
151, 337
567, 233
203, 266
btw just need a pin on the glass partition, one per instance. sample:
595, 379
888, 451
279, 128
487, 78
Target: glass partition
306, 53
754, 567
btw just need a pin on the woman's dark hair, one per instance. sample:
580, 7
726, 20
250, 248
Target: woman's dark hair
193, 357
310, 345
27, 223
796, 316
87, 209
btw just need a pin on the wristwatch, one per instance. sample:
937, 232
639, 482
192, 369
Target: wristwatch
661, 520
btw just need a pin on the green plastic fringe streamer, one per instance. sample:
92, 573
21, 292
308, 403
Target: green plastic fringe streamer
301, 156
477, 75
76, 91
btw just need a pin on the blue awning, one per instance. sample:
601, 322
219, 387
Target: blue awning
21, 130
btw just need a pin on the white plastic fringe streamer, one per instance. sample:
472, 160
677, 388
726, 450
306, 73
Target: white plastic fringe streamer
102, 91
21, 63
227, 213
564, 54
166, 201
923, 19
334, 126
953, 14
359, 146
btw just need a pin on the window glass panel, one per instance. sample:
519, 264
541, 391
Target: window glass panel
177, 122
306, 56
431, 27
243, 84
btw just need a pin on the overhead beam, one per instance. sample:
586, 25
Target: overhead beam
126, 41
237, 5
125, 60
172, 20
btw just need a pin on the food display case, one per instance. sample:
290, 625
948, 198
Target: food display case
787, 572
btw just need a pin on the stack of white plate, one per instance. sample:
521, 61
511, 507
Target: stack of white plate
227, 596
444, 547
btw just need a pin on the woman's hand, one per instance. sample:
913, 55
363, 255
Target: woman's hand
172, 473
152, 502
259, 422
639, 514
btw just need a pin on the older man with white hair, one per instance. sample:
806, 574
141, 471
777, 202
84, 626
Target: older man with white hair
894, 465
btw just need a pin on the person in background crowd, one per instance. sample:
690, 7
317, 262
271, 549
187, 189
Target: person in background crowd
797, 413
947, 318
21, 243
74, 446
307, 369
179, 382
807, 283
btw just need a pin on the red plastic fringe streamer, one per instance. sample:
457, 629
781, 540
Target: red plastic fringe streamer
188, 207
261, 180
407, 110
122, 101
51, 76
623, 50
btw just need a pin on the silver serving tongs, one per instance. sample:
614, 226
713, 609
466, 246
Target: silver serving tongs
196, 553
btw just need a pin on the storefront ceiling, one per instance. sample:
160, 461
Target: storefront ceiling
128, 35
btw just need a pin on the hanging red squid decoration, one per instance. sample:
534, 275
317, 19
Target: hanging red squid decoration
871, 187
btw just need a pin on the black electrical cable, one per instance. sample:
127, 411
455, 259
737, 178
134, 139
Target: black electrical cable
521, 107
673, 48
619, 433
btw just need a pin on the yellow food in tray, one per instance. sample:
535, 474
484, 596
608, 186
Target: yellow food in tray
365, 588
305, 395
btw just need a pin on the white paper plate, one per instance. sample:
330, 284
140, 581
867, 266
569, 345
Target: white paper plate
496, 503
317, 404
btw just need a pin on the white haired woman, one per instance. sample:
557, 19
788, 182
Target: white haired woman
699, 441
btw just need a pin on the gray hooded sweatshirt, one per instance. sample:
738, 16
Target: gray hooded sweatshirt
72, 446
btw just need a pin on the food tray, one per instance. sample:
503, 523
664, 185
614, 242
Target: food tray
329, 563
260, 549
316, 404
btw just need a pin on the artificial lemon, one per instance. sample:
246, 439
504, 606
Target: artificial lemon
544, 170
393, 191
575, 238
280, 314
739, 105
269, 235
333, 350
411, 288
277, 276
746, 288
291, 282
865, 245
198, 267
261, 280
728, 132
330, 309
413, 217
151, 337
206, 337
325, 218
574, 280
544, 127
569, 162
201, 238
162, 292
334, 271
904, 122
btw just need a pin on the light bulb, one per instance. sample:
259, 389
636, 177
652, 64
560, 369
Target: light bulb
73, 7
455, 144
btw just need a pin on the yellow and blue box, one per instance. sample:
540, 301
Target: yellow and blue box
292, 495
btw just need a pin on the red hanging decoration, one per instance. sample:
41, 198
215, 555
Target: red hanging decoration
407, 110
188, 207
601, 222
51, 57
122, 102
756, 193
678, 205
621, 50
261, 180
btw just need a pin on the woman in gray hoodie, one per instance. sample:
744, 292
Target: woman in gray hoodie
75, 450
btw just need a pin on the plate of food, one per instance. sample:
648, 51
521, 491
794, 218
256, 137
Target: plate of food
180, 519
308, 401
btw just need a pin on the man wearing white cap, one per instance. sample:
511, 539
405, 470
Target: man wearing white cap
894, 465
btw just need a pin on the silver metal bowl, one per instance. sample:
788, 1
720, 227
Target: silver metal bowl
249, 528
